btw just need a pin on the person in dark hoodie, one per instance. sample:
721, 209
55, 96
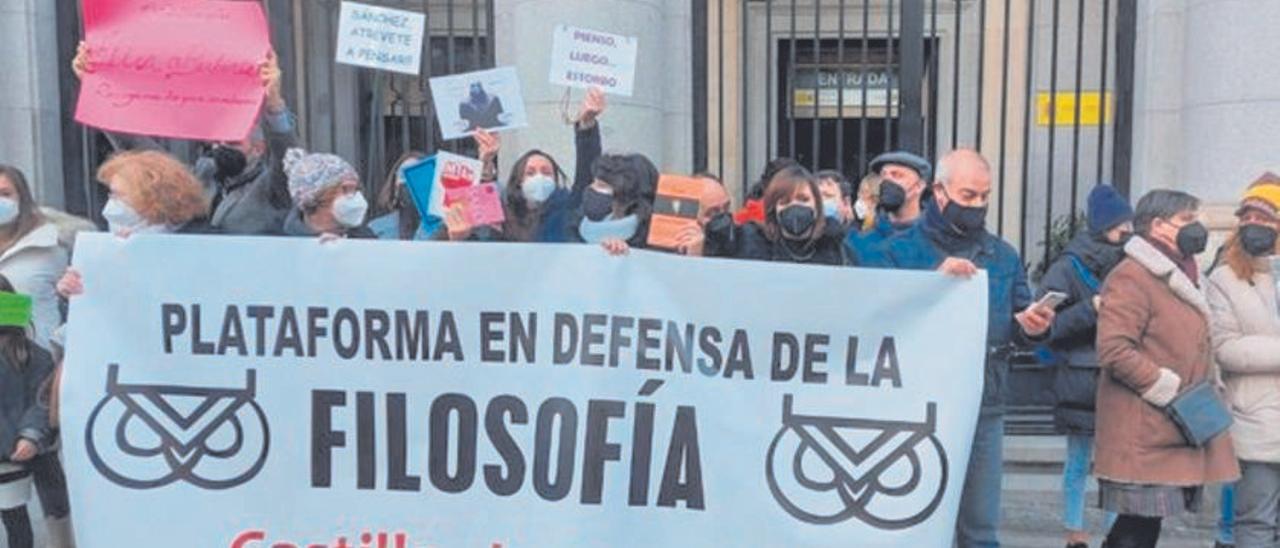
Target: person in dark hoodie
25, 370
794, 229
1078, 272
617, 205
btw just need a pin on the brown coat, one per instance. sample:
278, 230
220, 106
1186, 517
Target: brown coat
1153, 317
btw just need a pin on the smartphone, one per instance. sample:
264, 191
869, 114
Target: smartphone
1052, 300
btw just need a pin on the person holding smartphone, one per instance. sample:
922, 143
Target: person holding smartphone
1075, 278
951, 238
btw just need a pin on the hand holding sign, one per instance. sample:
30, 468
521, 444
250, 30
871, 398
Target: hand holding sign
690, 241
271, 78
593, 106
192, 70
488, 145
455, 221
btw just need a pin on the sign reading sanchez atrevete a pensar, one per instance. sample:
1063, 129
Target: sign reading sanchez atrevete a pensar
277, 392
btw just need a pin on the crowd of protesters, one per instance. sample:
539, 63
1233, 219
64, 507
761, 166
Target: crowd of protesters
1136, 323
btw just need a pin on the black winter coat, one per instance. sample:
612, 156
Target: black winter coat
1072, 338
830, 249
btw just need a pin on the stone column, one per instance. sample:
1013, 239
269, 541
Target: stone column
30, 114
1230, 99
656, 120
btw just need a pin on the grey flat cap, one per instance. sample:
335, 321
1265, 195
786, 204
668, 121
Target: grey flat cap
904, 158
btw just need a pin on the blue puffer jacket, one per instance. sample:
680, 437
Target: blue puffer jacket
1008, 292
869, 246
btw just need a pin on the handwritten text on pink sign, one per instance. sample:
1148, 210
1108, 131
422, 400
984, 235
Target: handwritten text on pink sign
182, 69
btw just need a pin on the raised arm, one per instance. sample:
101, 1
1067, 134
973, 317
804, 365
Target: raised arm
587, 143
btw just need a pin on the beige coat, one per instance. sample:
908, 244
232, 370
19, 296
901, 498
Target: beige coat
1153, 341
1246, 341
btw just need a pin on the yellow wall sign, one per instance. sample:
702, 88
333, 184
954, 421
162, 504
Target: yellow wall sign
1095, 108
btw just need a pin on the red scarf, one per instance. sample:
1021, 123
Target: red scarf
752, 211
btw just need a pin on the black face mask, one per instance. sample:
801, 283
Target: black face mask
968, 221
1258, 240
892, 196
596, 205
797, 221
719, 229
229, 162
1193, 239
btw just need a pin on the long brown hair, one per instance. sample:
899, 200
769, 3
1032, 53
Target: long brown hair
521, 223
395, 197
14, 345
29, 216
783, 186
1239, 260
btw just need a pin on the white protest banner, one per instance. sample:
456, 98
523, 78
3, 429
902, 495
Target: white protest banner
268, 392
583, 58
380, 38
489, 99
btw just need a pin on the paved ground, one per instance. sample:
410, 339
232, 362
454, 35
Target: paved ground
1032, 505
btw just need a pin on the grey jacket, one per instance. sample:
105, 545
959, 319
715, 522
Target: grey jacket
254, 202
24, 407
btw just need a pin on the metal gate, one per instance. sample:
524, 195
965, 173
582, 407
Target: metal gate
368, 117
1041, 87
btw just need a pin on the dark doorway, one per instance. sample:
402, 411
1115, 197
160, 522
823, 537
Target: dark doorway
837, 103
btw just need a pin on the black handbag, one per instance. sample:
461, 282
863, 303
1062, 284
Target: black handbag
1199, 414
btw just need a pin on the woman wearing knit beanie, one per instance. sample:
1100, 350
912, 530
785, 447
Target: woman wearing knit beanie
1078, 273
1246, 339
326, 197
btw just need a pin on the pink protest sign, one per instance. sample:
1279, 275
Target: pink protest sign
174, 68
483, 204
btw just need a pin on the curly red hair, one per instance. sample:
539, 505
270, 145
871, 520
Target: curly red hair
159, 187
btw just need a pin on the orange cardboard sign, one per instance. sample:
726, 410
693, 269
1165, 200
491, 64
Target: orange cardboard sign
675, 209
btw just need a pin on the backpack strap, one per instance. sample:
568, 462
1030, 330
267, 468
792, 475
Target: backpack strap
1085, 275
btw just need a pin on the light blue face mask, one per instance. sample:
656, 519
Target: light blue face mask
831, 209
594, 232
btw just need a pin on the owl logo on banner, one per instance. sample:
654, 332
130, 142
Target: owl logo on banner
144, 436
890, 475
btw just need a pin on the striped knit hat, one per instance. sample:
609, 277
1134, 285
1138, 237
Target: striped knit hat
1263, 195
310, 174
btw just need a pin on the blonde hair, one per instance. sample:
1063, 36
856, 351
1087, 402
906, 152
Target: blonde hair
163, 190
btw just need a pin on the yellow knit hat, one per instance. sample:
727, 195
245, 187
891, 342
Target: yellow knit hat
1263, 195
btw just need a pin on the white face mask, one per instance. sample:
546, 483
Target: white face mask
538, 188
349, 210
8, 210
860, 209
122, 219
